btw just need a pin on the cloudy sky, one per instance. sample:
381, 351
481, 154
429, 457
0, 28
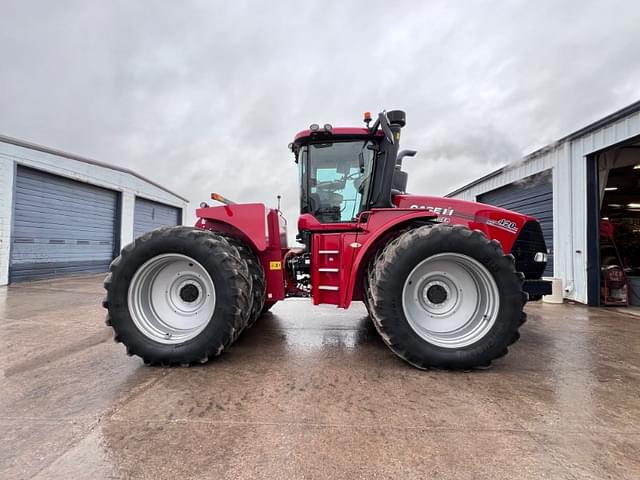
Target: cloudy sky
204, 96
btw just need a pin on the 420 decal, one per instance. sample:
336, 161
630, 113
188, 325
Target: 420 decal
504, 224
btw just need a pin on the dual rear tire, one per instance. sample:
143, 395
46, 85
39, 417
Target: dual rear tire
182, 295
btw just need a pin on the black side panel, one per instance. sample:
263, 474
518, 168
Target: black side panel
385, 166
531, 196
529, 242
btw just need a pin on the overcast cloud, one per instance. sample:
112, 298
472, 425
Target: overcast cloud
205, 96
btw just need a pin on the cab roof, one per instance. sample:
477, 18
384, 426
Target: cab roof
335, 132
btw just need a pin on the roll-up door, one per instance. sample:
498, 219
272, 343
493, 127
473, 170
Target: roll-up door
61, 226
149, 215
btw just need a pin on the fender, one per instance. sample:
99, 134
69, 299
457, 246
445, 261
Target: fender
375, 225
249, 220
258, 226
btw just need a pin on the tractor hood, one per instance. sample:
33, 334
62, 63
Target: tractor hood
496, 222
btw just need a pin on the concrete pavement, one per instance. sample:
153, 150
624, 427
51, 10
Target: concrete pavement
311, 393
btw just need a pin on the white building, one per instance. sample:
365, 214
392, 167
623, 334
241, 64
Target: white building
572, 186
63, 214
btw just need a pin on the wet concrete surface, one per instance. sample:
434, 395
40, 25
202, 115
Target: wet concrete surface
312, 393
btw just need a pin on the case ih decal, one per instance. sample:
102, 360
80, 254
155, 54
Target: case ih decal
443, 213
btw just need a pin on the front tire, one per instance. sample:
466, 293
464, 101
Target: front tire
178, 295
446, 297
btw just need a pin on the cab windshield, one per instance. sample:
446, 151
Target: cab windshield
335, 179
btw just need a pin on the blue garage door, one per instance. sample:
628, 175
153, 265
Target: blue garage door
60, 227
150, 215
532, 196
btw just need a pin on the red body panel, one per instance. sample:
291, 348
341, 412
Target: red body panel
307, 222
496, 223
261, 229
340, 252
248, 218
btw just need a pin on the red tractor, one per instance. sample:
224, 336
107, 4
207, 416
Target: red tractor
444, 280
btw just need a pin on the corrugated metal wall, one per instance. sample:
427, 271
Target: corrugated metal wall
15, 153
531, 196
150, 215
568, 160
60, 226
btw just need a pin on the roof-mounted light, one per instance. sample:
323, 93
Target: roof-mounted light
367, 118
314, 127
328, 127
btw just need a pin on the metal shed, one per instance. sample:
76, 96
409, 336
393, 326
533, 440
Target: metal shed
64, 214
575, 189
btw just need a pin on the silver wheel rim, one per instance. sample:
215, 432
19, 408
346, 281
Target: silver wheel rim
171, 298
450, 300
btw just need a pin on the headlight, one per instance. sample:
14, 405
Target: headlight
540, 257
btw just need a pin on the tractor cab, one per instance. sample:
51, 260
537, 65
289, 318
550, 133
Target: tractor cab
335, 177
345, 171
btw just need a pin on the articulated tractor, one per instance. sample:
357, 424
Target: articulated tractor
444, 281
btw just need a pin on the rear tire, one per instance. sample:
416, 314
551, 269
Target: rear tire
178, 295
446, 297
258, 291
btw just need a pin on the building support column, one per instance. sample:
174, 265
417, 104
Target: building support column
127, 208
7, 179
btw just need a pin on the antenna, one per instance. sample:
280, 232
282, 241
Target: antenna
279, 197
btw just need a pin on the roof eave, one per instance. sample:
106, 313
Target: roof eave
90, 161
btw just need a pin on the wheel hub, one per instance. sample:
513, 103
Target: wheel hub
436, 294
189, 293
